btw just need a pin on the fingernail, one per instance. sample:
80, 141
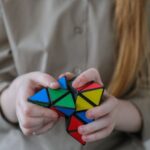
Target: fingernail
90, 115
53, 84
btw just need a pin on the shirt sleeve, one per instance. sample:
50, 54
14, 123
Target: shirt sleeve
141, 98
7, 69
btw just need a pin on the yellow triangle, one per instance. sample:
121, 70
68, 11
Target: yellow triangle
94, 95
82, 104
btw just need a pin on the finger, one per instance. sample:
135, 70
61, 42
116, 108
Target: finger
45, 128
104, 109
69, 75
98, 135
95, 126
43, 79
29, 131
30, 122
33, 110
87, 76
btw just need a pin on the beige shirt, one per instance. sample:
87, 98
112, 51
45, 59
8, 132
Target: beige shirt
56, 36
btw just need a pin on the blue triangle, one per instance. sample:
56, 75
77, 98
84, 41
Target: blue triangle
40, 96
63, 83
82, 116
65, 111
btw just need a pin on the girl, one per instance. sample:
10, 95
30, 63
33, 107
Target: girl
56, 36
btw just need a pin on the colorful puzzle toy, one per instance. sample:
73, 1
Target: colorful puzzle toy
71, 103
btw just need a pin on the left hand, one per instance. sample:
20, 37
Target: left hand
104, 115
105, 121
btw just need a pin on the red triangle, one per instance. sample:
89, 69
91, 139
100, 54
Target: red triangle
84, 86
74, 123
78, 137
90, 86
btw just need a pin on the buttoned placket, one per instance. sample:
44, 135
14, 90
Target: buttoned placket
81, 32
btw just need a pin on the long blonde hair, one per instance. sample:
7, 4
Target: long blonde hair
130, 23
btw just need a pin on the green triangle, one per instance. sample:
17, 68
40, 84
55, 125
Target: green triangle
66, 101
54, 94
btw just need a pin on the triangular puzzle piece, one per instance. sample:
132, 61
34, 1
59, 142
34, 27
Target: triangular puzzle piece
84, 86
94, 95
63, 83
90, 86
78, 137
66, 111
82, 104
67, 101
74, 123
82, 116
40, 97
42, 104
55, 94
60, 114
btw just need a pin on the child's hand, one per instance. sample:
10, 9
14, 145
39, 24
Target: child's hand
113, 114
32, 118
105, 121
104, 115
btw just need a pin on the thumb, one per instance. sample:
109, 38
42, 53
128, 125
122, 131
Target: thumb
43, 79
89, 75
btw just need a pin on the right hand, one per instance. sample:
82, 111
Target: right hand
33, 119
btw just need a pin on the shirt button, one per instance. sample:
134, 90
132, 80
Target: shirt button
78, 30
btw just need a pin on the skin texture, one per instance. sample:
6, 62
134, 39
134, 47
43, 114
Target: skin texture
113, 114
